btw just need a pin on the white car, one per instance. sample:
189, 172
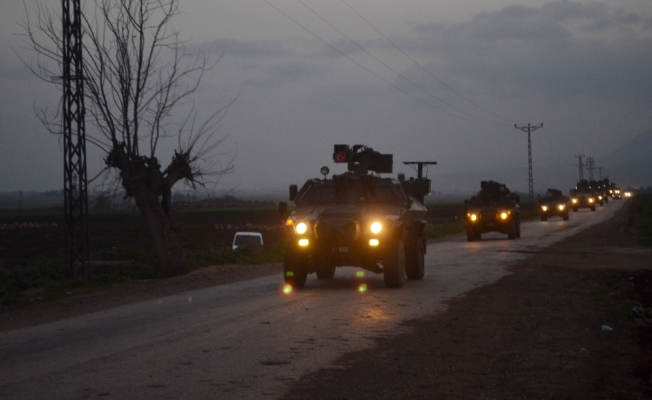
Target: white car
243, 238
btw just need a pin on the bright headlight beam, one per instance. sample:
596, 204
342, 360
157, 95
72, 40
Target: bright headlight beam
376, 227
301, 228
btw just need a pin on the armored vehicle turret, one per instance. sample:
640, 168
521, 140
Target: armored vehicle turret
357, 219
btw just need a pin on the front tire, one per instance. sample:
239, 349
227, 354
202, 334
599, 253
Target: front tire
414, 260
294, 268
511, 230
470, 234
394, 264
566, 216
593, 207
544, 218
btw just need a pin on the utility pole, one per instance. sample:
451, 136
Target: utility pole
579, 157
75, 194
529, 129
590, 166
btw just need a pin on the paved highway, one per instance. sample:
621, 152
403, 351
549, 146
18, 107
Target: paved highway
249, 340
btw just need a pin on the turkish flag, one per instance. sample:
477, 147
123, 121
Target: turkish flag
340, 157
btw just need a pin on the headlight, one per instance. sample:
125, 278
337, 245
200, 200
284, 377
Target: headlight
599, 197
561, 207
472, 216
504, 215
574, 201
301, 228
376, 227
544, 208
591, 200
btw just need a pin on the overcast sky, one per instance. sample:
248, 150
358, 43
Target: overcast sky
425, 80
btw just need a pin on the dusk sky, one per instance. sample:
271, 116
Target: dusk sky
424, 80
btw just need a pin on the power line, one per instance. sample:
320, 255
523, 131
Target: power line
365, 68
421, 66
390, 68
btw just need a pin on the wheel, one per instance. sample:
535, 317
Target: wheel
470, 234
511, 231
294, 268
518, 228
566, 216
574, 209
593, 207
326, 273
544, 218
414, 260
394, 264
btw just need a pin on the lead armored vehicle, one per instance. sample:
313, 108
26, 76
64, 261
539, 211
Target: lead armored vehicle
554, 203
493, 209
357, 219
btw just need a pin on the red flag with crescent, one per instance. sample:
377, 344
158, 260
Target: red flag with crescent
340, 157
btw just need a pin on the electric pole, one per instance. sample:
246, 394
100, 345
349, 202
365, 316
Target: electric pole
579, 157
590, 166
75, 195
529, 129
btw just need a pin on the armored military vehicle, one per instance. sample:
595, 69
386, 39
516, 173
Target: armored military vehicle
583, 196
493, 209
598, 193
614, 191
357, 219
554, 203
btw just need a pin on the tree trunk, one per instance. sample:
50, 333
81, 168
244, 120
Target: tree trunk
164, 232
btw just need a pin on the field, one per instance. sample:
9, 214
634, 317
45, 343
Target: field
31, 242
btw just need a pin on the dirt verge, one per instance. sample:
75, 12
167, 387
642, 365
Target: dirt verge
534, 334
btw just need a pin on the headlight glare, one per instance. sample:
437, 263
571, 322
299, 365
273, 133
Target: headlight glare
376, 227
301, 228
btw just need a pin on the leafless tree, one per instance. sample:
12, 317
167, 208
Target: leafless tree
136, 72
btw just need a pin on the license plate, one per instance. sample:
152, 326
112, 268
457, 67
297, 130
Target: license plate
340, 249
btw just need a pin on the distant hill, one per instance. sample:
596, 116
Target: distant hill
631, 163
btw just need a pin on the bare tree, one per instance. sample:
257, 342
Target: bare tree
136, 72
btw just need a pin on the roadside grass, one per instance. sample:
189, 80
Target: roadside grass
43, 278
641, 218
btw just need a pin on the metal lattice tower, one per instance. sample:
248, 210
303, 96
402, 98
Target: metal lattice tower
581, 166
529, 129
75, 195
590, 165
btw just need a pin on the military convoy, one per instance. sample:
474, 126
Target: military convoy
554, 203
361, 219
494, 208
357, 219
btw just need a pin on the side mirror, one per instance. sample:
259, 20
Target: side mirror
293, 192
283, 208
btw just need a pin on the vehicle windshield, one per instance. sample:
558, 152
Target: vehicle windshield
351, 193
241, 240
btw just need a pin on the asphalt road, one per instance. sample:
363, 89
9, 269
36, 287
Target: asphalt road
248, 340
